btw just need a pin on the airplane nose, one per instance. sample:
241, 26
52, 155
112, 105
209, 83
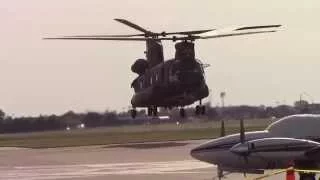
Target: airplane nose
200, 152
195, 153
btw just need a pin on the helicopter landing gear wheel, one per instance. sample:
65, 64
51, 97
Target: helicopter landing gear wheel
202, 110
155, 111
198, 110
149, 111
133, 113
182, 113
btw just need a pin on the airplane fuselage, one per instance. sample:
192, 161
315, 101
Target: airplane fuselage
294, 139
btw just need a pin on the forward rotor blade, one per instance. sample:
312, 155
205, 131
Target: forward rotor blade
134, 26
242, 131
135, 35
232, 34
257, 27
124, 35
97, 38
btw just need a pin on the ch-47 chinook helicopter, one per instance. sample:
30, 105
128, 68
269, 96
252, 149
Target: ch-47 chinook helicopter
176, 82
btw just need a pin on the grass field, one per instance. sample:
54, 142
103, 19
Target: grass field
126, 134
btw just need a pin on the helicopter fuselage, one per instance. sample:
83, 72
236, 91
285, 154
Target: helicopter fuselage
171, 83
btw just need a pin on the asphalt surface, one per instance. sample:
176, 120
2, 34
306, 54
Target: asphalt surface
169, 161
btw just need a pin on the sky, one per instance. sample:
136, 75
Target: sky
52, 77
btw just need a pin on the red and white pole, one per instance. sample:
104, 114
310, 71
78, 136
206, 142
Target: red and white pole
290, 175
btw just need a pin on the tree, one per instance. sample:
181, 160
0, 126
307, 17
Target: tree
92, 119
2, 115
301, 104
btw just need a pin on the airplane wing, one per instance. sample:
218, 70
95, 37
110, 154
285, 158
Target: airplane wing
274, 145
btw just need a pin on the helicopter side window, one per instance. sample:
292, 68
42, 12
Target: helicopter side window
171, 71
162, 75
173, 74
141, 83
157, 77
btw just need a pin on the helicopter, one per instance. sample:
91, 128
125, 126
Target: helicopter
176, 82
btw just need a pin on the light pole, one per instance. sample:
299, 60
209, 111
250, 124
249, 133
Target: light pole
222, 96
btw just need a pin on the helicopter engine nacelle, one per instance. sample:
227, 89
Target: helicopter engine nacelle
139, 66
185, 51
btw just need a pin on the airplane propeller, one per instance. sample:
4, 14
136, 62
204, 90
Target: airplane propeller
242, 130
222, 134
242, 141
244, 150
222, 130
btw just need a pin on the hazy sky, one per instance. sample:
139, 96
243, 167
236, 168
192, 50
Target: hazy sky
45, 77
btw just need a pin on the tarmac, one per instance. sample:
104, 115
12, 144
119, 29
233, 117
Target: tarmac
168, 161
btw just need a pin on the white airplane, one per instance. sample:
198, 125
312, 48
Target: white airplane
291, 141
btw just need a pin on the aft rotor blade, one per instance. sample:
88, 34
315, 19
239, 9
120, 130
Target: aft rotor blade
232, 34
213, 36
187, 32
257, 27
97, 38
134, 26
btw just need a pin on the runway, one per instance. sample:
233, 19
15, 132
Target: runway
169, 161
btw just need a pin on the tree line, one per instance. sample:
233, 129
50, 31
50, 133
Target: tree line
71, 119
